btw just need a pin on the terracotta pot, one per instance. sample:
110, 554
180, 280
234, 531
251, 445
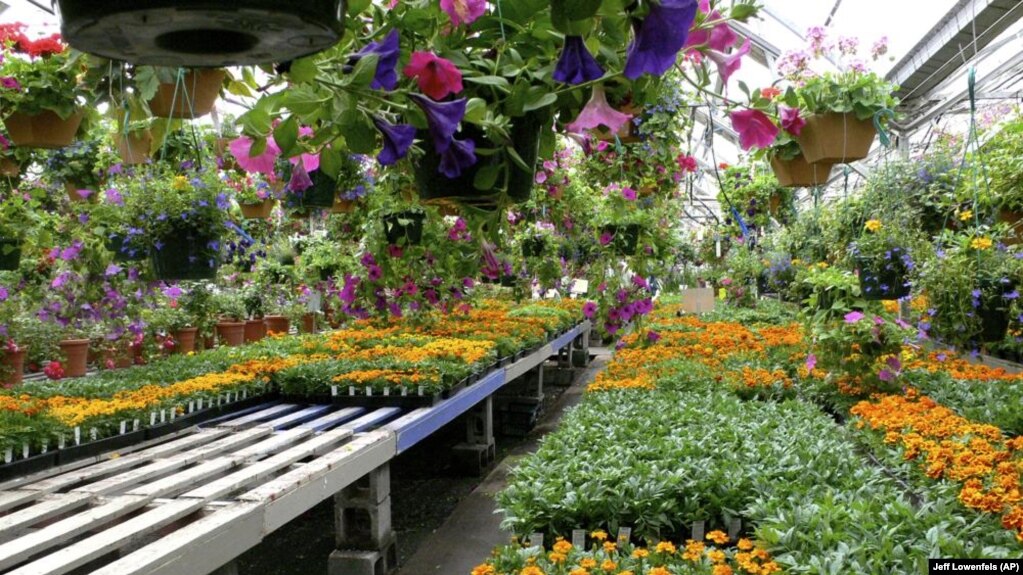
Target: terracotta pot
1012, 218
798, 173
836, 138
255, 330
342, 206
192, 97
231, 333
185, 339
120, 358
260, 211
43, 130
207, 342
277, 324
72, 193
309, 323
9, 168
134, 148
15, 360
445, 207
76, 354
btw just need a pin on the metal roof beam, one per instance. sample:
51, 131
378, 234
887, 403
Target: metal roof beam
968, 27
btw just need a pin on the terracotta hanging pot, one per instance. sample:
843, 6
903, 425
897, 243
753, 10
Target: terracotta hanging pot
76, 354
798, 173
255, 330
260, 211
231, 333
185, 340
277, 324
836, 138
1012, 218
9, 168
309, 323
75, 196
194, 96
15, 362
134, 148
43, 130
342, 206
628, 133
202, 33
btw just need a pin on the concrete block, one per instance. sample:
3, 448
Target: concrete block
370, 489
363, 526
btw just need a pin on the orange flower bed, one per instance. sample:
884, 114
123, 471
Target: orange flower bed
948, 446
962, 369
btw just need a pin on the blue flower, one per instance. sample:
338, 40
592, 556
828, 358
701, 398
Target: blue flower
387, 51
397, 140
461, 154
659, 37
443, 119
576, 65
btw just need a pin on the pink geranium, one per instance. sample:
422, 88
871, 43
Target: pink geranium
463, 11
791, 121
728, 64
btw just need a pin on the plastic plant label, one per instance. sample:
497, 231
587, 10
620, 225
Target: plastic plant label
333, 391
734, 526
579, 538
124, 426
78, 435
536, 540
624, 534
698, 527
8, 455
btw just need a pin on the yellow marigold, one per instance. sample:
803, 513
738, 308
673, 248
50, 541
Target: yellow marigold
665, 547
965, 215
562, 546
744, 544
658, 571
694, 550
721, 570
180, 183
981, 243
640, 553
610, 547
872, 225
608, 565
716, 556
484, 569
556, 557
588, 563
578, 571
531, 570
599, 535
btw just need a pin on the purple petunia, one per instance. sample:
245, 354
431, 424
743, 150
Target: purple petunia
397, 141
659, 37
387, 51
576, 65
442, 118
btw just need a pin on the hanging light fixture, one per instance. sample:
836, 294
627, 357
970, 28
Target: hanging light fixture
201, 33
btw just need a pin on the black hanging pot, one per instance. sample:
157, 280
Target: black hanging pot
201, 33
884, 279
10, 254
404, 225
187, 255
993, 312
525, 133
533, 247
124, 249
624, 239
320, 195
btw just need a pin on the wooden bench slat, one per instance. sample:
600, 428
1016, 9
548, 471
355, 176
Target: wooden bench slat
46, 508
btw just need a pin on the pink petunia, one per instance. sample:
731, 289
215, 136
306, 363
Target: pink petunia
463, 11
599, 113
589, 310
853, 316
791, 121
755, 129
436, 76
728, 64
629, 194
811, 362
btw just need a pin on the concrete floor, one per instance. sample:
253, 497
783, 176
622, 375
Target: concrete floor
473, 529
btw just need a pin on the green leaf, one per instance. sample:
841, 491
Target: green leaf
518, 160
495, 81
356, 7
365, 70
330, 162
575, 9
358, 132
486, 177
303, 70
743, 12
544, 100
286, 135
255, 122
475, 110
239, 89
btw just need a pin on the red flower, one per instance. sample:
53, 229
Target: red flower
436, 76
687, 163
54, 370
723, 166
51, 44
770, 93
755, 129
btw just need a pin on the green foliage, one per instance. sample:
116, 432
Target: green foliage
47, 83
863, 94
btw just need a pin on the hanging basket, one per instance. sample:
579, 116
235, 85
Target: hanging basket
43, 130
525, 133
533, 247
10, 254
1013, 219
124, 250
9, 168
624, 239
186, 256
798, 173
202, 33
884, 280
628, 133
260, 211
134, 148
835, 138
342, 206
404, 225
194, 96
